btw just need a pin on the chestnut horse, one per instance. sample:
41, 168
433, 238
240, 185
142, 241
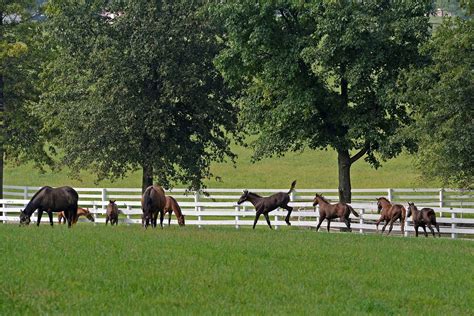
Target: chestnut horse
264, 205
49, 200
153, 202
426, 216
330, 211
80, 212
112, 213
173, 206
390, 213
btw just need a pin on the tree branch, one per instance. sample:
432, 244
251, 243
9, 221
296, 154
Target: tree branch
361, 153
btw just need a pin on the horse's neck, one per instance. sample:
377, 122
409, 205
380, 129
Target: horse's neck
177, 211
254, 198
31, 207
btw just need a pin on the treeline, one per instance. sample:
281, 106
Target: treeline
165, 87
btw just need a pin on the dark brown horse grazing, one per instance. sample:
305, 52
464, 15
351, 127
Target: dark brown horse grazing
390, 213
80, 212
330, 211
173, 206
112, 213
264, 205
153, 202
49, 200
426, 216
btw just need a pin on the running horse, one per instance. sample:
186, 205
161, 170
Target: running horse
80, 212
49, 200
390, 213
153, 202
173, 206
423, 217
264, 205
330, 211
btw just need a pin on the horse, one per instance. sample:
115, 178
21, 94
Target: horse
112, 213
153, 202
330, 211
80, 212
423, 217
173, 206
264, 205
390, 213
49, 200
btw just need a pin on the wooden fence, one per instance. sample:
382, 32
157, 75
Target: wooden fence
455, 213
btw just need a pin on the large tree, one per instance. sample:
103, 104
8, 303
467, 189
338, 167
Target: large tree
133, 86
322, 74
441, 96
20, 57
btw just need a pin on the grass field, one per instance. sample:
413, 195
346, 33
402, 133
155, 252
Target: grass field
313, 169
126, 270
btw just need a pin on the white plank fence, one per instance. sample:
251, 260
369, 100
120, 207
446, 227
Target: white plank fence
455, 212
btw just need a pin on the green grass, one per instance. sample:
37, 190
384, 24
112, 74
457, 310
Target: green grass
126, 270
312, 169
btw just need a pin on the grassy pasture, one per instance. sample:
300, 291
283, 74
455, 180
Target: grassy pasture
124, 270
312, 169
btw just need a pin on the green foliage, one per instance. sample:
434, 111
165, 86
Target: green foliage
185, 270
136, 90
442, 97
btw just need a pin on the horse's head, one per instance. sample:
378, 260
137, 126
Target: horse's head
315, 200
181, 220
411, 208
89, 215
379, 205
24, 218
244, 197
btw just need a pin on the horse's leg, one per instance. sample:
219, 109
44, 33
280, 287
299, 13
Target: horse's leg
162, 215
391, 226
378, 222
256, 219
437, 228
40, 214
416, 229
268, 219
424, 228
169, 218
385, 225
348, 223
329, 224
106, 220
289, 209
432, 230
50, 214
154, 217
402, 225
321, 219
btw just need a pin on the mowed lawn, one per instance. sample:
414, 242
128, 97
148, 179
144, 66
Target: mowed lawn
312, 169
126, 270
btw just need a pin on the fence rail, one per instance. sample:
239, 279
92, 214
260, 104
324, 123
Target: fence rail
218, 207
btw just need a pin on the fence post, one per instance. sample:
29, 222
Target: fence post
104, 197
390, 194
361, 221
453, 225
129, 208
196, 207
276, 219
4, 214
441, 201
94, 207
25, 193
237, 209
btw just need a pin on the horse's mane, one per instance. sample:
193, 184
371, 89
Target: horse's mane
323, 198
254, 194
385, 199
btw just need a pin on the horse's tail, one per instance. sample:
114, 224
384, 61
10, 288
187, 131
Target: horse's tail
352, 210
292, 186
147, 201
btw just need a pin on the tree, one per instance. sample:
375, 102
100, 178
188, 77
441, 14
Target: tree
19, 66
132, 85
441, 96
322, 74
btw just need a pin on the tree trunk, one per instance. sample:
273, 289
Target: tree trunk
147, 178
344, 167
2, 117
